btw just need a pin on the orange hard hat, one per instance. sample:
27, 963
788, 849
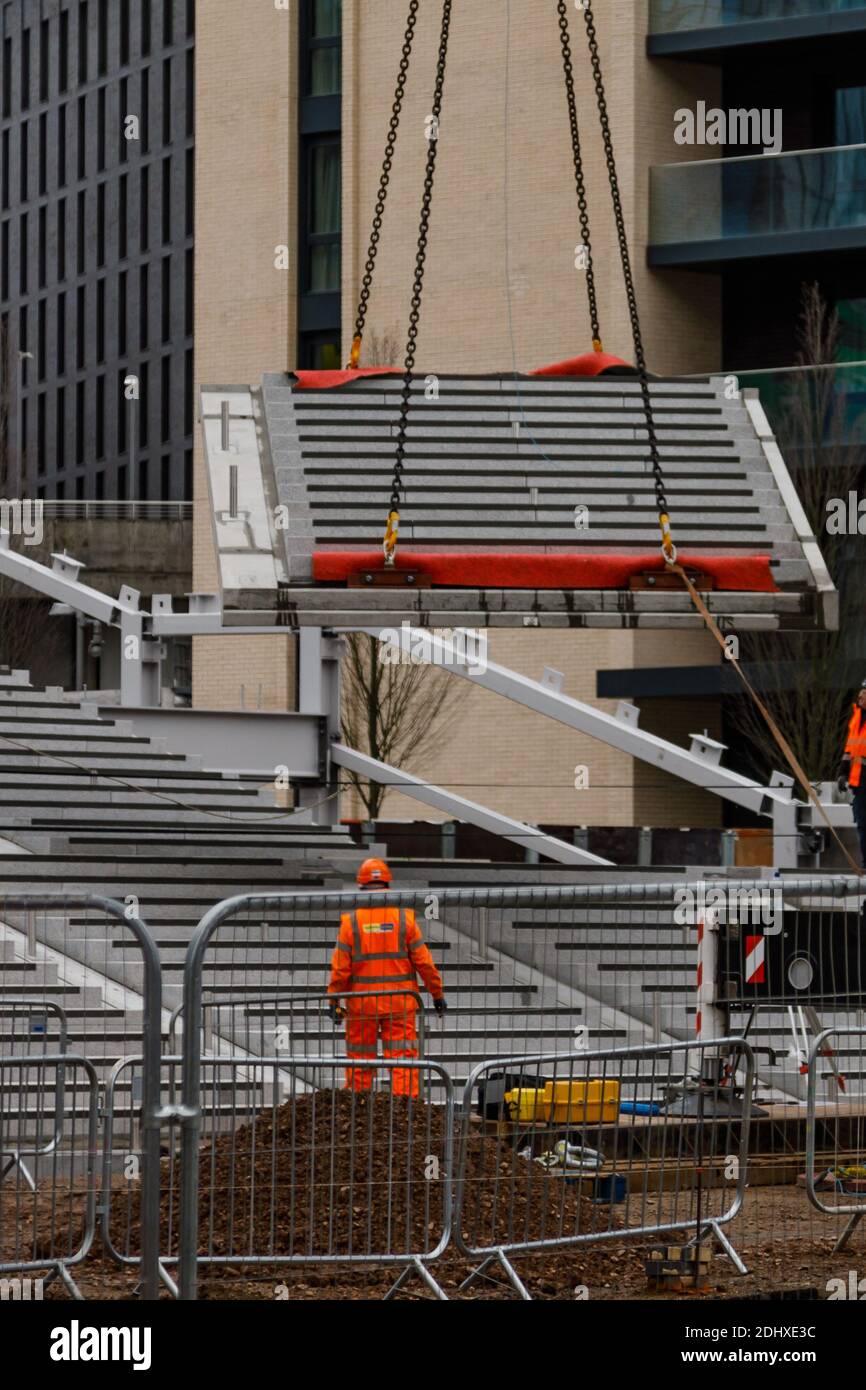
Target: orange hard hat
373, 871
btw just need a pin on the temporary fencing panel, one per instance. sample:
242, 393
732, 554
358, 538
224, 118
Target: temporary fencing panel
96, 956
293, 1169
600, 1146
48, 1203
529, 972
836, 1128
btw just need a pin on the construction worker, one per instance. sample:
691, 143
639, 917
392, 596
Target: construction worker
379, 954
851, 769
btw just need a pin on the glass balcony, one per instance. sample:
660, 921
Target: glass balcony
816, 413
679, 16
759, 205
678, 28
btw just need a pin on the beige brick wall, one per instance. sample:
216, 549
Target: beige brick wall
465, 320
246, 206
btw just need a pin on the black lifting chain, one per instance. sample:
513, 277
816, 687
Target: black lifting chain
418, 286
384, 182
640, 360
583, 208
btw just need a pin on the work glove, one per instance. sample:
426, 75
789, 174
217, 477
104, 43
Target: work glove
338, 1013
440, 1006
843, 774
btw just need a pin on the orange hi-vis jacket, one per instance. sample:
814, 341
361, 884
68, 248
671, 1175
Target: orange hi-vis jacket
380, 951
855, 747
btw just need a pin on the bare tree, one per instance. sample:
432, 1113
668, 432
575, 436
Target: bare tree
806, 687
393, 712
383, 349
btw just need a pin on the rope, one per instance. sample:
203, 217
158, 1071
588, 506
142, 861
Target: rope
390, 541
384, 183
784, 745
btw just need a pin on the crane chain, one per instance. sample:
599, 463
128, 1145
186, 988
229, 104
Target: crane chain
390, 541
668, 547
582, 204
384, 183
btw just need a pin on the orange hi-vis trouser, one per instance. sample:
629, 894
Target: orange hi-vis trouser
396, 1027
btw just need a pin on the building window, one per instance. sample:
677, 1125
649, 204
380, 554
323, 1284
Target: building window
851, 116
82, 43
124, 33
324, 218
43, 153
80, 304
103, 38
44, 59
61, 239
61, 147
324, 48
25, 161
25, 70
166, 102
61, 335
322, 353
63, 53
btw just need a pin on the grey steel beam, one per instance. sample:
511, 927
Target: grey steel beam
527, 836
699, 765
62, 584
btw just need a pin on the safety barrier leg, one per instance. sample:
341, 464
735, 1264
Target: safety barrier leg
416, 1267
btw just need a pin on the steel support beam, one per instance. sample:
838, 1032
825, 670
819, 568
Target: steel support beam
527, 836
698, 765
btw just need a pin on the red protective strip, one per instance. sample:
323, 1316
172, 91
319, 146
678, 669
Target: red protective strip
476, 570
587, 364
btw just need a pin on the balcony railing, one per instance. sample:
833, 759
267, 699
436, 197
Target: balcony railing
116, 511
818, 413
758, 205
683, 16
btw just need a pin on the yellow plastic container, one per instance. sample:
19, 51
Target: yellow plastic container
527, 1104
582, 1102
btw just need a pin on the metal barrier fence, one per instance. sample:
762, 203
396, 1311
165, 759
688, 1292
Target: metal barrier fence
99, 957
530, 969
48, 1209
600, 1146
292, 1171
279, 1025
836, 1132
36, 1038
533, 971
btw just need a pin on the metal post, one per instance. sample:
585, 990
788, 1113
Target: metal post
233, 491
225, 422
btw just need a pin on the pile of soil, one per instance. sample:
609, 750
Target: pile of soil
337, 1174
331, 1173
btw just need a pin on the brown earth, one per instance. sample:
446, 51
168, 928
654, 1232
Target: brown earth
329, 1172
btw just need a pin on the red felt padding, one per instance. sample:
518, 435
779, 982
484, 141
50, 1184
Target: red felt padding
587, 364
476, 570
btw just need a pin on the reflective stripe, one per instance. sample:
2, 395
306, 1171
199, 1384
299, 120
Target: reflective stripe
386, 979
356, 932
379, 955
342, 947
